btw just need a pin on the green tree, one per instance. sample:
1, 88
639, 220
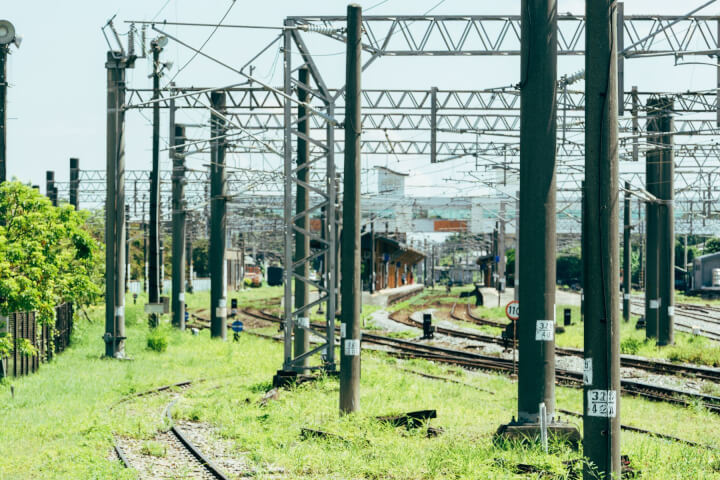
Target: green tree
569, 268
712, 245
201, 255
680, 253
47, 256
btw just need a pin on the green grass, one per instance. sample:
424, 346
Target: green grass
60, 425
682, 298
687, 348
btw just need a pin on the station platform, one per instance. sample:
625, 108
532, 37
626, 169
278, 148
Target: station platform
382, 298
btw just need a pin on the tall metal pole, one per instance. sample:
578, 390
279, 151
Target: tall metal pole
666, 222
154, 267
114, 336
177, 139
601, 418
372, 259
652, 259
351, 286
433, 125
287, 207
302, 241
3, 112
75, 183
538, 112
635, 125
218, 194
627, 250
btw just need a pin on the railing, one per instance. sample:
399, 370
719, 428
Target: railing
25, 326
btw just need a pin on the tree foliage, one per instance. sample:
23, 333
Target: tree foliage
47, 256
712, 245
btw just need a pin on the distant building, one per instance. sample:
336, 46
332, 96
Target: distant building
394, 262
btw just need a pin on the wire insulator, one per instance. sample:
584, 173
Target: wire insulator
310, 27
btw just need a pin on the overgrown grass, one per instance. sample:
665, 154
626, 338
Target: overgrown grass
687, 348
60, 425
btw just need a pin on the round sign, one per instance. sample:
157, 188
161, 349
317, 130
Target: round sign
512, 310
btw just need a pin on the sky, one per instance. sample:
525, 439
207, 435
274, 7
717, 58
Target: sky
56, 103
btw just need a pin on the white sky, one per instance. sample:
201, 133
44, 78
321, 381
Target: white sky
57, 100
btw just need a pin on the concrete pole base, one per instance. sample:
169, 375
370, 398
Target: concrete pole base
530, 433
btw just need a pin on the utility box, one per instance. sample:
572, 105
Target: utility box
567, 317
275, 276
165, 304
428, 329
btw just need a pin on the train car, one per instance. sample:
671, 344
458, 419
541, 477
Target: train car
706, 275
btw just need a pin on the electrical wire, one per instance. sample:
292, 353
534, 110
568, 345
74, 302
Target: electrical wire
217, 26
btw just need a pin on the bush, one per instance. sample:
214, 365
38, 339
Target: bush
157, 340
630, 346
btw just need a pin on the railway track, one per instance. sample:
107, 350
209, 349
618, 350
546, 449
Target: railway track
471, 360
183, 455
628, 361
639, 309
404, 296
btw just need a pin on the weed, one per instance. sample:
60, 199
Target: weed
157, 340
153, 449
630, 346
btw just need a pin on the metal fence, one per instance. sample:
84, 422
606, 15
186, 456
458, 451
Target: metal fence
25, 326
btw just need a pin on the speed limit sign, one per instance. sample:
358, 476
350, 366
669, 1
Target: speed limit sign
512, 310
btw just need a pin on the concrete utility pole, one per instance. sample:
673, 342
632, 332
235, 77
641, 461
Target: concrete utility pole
641, 256
666, 221
189, 256
218, 194
50, 191
3, 111
516, 280
114, 336
302, 241
351, 286
538, 114
127, 248
583, 251
177, 139
652, 250
601, 413
627, 250
501, 250
145, 251
154, 267
75, 183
